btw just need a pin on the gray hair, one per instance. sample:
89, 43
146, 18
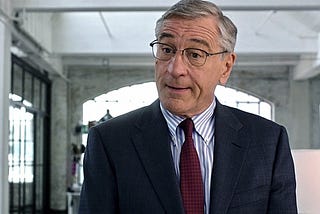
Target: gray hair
191, 9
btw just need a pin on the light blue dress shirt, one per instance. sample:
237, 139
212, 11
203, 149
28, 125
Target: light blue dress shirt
203, 137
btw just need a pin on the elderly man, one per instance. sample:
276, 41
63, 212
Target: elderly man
187, 153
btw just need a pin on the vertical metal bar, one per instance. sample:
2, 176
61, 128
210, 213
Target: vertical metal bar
40, 100
12, 77
46, 149
23, 82
32, 89
21, 184
35, 165
11, 151
19, 168
24, 165
22, 151
42, 166
34, 149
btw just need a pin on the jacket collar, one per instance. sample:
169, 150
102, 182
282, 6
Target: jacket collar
229, 154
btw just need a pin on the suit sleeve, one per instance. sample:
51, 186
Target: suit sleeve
99, 191
283, 190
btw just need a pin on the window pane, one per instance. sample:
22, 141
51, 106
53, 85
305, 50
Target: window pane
28, 94
265, 110
251, 107
37, 93
17, 81
43, 97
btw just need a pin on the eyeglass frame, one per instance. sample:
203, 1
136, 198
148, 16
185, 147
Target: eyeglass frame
175, 50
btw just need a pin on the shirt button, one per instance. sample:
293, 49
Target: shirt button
174, 141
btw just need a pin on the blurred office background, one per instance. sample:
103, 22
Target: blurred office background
67, 65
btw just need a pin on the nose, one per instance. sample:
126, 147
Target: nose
177, 65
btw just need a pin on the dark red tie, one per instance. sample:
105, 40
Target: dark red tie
191, 185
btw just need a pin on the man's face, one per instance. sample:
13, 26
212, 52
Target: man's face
184, 89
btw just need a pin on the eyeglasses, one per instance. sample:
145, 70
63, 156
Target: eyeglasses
195, 56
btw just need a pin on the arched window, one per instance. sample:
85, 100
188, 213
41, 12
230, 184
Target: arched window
244, 101
128, 98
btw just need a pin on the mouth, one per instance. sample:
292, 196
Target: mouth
177, 88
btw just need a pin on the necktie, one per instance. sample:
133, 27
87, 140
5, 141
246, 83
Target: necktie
191, 185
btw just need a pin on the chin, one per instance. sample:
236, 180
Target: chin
175, 107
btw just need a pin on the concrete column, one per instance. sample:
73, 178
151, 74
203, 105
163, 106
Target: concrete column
5, 77
315, 98
300, 119
59, 144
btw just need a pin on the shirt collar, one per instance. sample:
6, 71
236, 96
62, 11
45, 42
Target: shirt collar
201, 121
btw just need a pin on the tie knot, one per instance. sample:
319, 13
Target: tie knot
187, 126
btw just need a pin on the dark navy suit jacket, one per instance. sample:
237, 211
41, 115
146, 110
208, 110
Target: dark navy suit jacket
129, 169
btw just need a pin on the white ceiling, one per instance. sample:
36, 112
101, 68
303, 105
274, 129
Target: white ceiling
117, 32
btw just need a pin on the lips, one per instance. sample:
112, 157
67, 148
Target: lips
177, 88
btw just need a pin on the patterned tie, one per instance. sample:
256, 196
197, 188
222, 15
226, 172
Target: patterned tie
191, 185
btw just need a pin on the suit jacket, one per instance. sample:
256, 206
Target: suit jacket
128, 166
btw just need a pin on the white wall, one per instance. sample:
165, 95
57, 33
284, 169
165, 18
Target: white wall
5, 41
307, 166
39, 27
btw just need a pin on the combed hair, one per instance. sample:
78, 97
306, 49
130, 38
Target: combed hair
191, 9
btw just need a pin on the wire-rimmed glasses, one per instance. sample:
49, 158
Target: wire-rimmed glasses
195, 56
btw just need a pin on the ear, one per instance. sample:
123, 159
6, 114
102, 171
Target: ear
228, 63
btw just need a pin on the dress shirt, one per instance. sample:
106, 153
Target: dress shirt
203, 136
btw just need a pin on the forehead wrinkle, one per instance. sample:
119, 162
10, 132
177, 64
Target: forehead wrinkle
209, 34
200, 41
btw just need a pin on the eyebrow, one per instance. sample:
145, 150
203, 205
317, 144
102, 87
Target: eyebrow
200, 41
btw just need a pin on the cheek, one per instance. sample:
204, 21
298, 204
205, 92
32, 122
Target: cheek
207, 83
215, 73
160, 70
157, 74
156, 70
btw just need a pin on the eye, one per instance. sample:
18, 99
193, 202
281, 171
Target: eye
166, 49
195, 53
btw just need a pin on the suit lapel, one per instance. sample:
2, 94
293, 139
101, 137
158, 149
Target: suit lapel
229, 154
152, 144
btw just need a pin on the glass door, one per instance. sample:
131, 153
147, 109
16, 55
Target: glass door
29, 140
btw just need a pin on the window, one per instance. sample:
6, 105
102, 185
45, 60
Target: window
21, 144
244, 101
29, 141
132, 97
